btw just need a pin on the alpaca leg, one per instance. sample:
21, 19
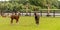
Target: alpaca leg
11, 21
16, 20
37, 21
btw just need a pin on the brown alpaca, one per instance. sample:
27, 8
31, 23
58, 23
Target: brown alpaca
15, 16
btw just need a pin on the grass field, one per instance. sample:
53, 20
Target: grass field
28, 23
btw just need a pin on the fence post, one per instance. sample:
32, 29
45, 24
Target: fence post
41, 13
53, 13
22, 13
30, 13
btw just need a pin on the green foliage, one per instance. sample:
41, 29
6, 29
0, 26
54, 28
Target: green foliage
20, 5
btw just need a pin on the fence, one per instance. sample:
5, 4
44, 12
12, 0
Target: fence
43, 12
53, 12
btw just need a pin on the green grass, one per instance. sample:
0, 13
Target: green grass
28, 23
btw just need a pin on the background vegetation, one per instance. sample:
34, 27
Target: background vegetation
28, 5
